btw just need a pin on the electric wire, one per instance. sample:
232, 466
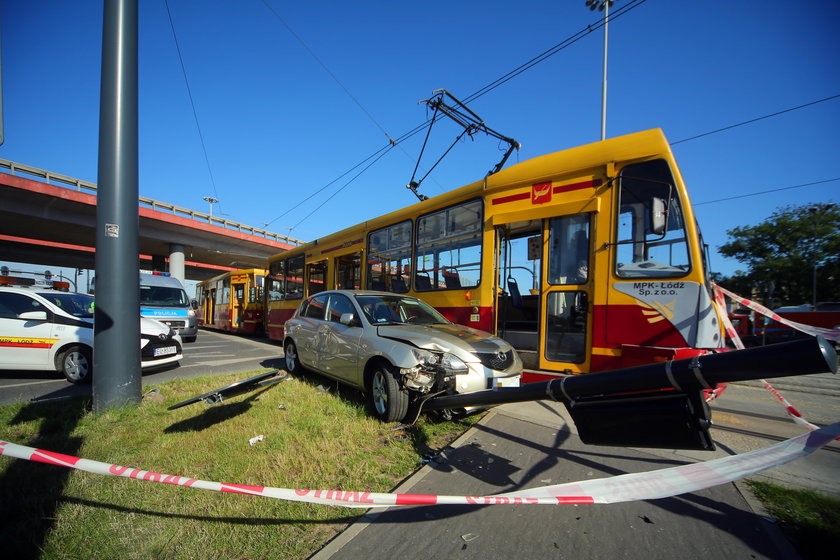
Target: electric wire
776, 114
341, 189
768, 191
530, 64
326, 69
475, 95
554, 50
192, 104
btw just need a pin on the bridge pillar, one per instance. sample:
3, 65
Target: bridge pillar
176, 262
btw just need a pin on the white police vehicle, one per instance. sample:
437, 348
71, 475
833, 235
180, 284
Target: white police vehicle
163, 298
42, 328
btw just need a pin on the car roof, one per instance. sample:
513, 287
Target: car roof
158, 280
37, 289
362, 293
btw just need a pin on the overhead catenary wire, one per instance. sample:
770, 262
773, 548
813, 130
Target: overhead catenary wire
326, 69
523, 68
192, 104
768, 191
475, 95
751, 121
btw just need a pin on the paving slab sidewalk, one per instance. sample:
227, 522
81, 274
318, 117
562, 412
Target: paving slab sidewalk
534, 444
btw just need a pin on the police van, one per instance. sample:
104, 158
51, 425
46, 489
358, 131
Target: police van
44, 328
162, 297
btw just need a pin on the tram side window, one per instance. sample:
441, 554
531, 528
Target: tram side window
317, 277
389, 258
652, 240
568, 257
565, 330
294, 278
349, 272
448, 249
256, 291
275, 280
285, 279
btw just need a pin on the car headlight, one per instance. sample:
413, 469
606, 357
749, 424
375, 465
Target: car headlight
191, 312
451, 364
426, 358
454, 365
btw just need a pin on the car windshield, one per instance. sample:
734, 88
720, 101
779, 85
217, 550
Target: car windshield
77, 305
386, 309
162, 296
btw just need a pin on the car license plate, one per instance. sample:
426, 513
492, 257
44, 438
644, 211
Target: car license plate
165, 351
506, 381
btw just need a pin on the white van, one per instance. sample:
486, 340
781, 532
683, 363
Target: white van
163, 298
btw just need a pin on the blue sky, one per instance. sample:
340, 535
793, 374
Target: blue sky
278, 127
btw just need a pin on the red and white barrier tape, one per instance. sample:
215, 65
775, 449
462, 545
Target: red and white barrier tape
623, 488
720, 302
794, 414
828, 334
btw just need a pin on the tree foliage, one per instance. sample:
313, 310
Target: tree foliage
784, 249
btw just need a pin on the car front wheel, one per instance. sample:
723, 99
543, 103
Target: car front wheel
388, 400
76, 363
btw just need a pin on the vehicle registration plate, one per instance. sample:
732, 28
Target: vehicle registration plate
165, 350
506, 381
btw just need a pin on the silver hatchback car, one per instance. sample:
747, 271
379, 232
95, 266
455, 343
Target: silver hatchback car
395, 349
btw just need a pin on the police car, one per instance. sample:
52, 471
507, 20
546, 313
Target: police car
43, 328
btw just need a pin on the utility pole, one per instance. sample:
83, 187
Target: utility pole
604, 6
212, 200
116, 330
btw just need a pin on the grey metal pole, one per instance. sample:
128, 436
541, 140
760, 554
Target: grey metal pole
116, 359
604, 83
813, 211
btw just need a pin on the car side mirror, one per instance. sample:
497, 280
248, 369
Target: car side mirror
33, 316
349, 319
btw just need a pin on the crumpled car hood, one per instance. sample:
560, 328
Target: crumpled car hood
456, 339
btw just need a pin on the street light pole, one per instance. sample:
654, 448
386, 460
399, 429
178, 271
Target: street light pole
813, 211
211, 200
603, 5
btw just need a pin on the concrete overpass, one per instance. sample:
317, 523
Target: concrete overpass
50, 219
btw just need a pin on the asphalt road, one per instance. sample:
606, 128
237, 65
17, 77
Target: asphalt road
747, 417
213, 353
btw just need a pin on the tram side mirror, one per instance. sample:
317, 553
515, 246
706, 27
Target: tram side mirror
659, 216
